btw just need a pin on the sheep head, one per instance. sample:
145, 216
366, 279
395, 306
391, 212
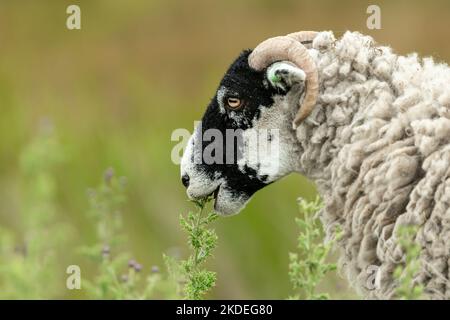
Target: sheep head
245, 140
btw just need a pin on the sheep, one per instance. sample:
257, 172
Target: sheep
369, 127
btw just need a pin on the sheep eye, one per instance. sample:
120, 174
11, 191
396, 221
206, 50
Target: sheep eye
234, 103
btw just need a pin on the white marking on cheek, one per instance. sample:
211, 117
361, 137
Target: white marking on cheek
265, 149
269, 153
261, 153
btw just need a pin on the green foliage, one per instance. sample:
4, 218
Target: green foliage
36, 260
405, 274
116, 278
308, 267
32, 262
29, 264
194, 280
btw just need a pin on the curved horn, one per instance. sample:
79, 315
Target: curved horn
288, 48
304, 37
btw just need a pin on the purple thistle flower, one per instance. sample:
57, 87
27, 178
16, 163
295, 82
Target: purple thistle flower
137, 267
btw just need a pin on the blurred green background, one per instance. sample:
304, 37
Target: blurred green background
116, 89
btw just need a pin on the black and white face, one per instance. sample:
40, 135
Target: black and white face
245, 140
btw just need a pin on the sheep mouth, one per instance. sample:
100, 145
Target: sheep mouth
208, 197
216, 204
228, 202
214, 194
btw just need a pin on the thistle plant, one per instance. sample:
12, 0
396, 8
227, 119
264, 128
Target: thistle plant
193, 279
118, 276
308, 267
405, 274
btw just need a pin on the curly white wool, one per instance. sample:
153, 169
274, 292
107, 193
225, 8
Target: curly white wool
378, 147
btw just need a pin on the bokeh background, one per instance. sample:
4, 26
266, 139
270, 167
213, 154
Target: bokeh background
114, 91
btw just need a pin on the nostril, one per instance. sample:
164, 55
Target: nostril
185, 180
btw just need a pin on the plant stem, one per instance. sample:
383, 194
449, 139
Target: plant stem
196, 227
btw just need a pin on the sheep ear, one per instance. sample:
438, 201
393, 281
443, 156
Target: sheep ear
284, 75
